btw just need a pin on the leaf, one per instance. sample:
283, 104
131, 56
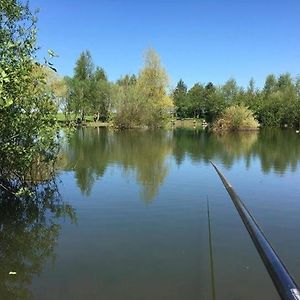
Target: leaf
8, 103
52, 53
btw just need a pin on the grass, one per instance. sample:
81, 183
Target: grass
184, 123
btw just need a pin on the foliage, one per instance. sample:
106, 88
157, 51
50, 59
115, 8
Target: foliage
235, 118
89, 91
196, 100
180, 99
27, 109
127, 105
144, 101
277, 104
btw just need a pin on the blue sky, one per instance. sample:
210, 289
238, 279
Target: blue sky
198, 41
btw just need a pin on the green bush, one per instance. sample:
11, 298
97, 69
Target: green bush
236, 118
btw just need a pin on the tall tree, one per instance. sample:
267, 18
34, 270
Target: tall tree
196, 101
152, 89
89, 89
214, 102
270, 84
230, 90
180, 99
143, 101
84, 66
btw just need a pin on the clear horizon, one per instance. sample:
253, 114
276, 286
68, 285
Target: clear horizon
198, 41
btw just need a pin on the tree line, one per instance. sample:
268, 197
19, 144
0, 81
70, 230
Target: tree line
276, 104
145, 99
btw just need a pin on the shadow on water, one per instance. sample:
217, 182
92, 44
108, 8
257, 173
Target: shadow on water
91, 151
29, 230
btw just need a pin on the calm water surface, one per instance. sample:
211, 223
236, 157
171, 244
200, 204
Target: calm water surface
139, 228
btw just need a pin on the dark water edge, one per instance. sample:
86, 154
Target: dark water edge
141, 229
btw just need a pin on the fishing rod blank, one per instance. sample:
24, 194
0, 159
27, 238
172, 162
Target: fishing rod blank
284, 283
211, 258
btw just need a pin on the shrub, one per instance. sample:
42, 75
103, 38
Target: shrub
236, 118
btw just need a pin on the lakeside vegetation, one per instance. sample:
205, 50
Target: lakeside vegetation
30, 204
27, 105
133, 101
147, 100
235, 118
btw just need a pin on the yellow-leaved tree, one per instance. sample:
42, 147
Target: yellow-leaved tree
152, 84
143, 101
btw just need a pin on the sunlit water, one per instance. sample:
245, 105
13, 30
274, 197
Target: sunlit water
141, 229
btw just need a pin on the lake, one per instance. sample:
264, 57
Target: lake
134, 222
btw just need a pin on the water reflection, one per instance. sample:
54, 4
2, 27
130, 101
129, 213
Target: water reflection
276, 149
91, 151
29, 231
225, 147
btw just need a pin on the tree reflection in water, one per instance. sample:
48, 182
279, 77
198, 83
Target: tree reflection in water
276, 149
29, 230
90, 151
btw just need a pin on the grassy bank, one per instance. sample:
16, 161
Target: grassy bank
89, 121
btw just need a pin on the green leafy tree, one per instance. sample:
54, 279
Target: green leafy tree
100, 91
27, 110
214, 102
127, 105
284, 81
127, 80
80, 86
84, 66
196, 101
230, 91
89, 91
180, 99
270, 84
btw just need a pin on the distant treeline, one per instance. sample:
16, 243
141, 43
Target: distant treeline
276, 104
144, 99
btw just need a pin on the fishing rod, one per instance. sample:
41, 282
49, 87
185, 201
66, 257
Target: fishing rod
284, 283
211, 258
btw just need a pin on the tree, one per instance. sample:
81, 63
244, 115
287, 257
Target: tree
144, 101
84, 66
214, 102
80, 86
127, 80
284, 81
89, 90
229, 91
180, 99
27, 110
152, 85
196, 102
127, 104
55, 85
270, 84
100, 74
100, 92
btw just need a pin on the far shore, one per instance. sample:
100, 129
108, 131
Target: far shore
180, 123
